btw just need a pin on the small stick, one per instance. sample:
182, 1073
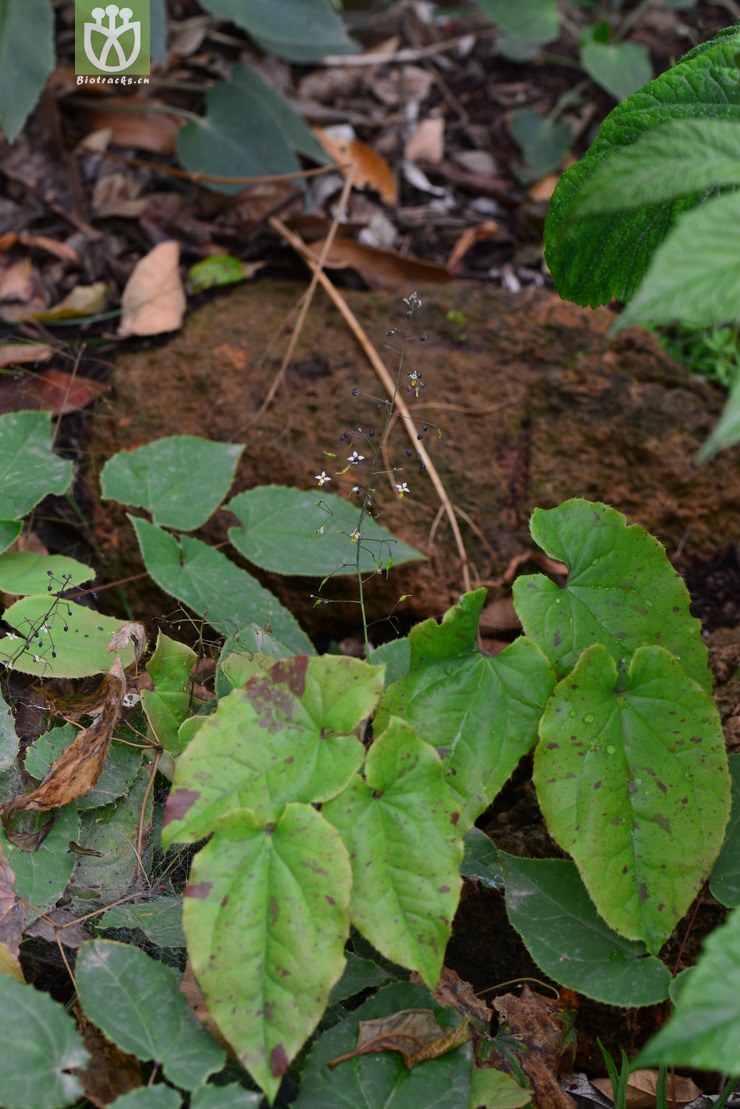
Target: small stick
387, 382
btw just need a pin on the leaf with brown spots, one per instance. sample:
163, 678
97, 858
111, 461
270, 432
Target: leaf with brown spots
80, 765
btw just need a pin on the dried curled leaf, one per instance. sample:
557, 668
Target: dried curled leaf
11, 910
412, 1032
79, 767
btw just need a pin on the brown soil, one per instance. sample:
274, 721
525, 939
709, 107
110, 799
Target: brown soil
534, 404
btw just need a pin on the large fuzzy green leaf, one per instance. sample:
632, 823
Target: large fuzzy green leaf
727, 430
704, 1030
29, 469
181, 480
481, 713
41, 1049
694, 276
299, 30
205, 580
136, 1001
266, 921
631, 776
399, 826
54, 638
285, 736
26, 59
597, 257
621, 591
293, 531
549, 906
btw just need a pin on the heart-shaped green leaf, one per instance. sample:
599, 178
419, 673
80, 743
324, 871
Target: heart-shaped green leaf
266, 921
293, 531
137, 1002
399, 826
631, 776
285, 736
41, 1049
29, 469
181, 480
621, 591
481, 713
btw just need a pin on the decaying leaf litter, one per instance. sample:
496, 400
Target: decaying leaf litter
434, 198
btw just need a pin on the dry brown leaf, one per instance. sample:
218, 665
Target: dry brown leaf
154, 299
412, 1032
641, 1087
21, 291
427, 141
55, 391
133, 632
78, 768
110, 1072
15, 353
539, 1024
134, 122
11, 909
370, 168
387, 270
84, 300
478, 234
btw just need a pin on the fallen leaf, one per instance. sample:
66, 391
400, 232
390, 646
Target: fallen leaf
55, 391
135, 122
387, 270
478, 234
11, 909
407, 84
110, 1073
427, 142
412, 1032
133, 632
642, 1085
21, 291
15, 353
63, 251
9, 964
539, 1024
370, 168
78, 768
153, 300
60, 924
83, 301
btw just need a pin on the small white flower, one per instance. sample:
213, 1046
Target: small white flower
402, 489
355, 537
354, 458
323, 477
356, 490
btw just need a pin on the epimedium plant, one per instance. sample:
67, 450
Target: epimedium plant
322, 831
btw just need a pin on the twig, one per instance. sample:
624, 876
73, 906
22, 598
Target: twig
409, 54
308, 298
386, 380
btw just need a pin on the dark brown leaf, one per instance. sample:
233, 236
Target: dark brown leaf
55, 391
388, 270
110, 1073
540, 1024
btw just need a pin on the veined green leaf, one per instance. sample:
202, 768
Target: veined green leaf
181, 480
29, 469
631, 776
549, 906
203, 578
23, 572
704, 1030
694, 276
597, 257
26, 60
621, 591
137, 1003
399, 826
285, 736
54, 638
294, 531
266, 921
481, 713
41, 1047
